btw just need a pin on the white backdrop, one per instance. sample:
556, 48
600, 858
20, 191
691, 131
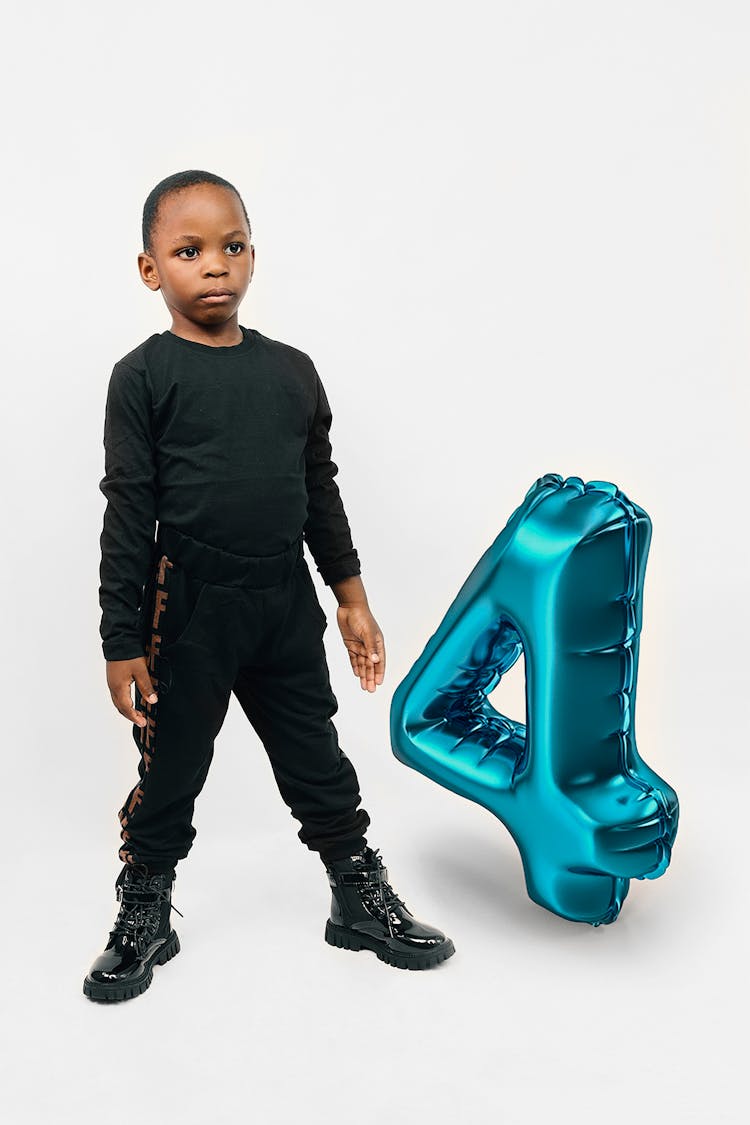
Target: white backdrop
515, 239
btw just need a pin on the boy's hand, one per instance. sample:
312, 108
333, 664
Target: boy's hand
364, 642
361, 632
120, 675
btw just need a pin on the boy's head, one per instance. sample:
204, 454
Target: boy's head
196, 238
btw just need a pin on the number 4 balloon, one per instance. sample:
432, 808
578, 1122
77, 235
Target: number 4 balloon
562, 582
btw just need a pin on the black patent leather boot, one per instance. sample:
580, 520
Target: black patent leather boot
366, 913
141, 937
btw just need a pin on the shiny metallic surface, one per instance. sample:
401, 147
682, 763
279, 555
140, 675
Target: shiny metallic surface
562, 583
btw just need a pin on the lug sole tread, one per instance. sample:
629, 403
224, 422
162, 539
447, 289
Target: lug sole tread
342, 938
113, 994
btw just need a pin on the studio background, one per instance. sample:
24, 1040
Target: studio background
514, 239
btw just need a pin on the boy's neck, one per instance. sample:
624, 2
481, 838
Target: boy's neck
214, 335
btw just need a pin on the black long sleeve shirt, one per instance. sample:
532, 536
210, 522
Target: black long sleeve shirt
229, 445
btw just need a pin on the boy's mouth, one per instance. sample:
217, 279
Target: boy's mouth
216, 296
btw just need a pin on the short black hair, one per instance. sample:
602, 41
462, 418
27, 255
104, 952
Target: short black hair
176, 182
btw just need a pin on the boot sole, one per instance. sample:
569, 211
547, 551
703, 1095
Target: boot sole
347, 939
95, 990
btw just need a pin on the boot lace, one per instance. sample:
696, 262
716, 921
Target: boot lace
138, 920
388, 896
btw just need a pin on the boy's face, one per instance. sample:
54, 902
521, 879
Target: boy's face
200, 242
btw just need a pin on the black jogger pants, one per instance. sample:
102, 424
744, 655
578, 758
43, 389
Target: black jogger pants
215, 623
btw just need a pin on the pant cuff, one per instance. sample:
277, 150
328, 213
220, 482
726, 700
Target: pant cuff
343, 850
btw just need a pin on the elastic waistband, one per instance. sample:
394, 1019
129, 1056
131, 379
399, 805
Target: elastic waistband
222, 568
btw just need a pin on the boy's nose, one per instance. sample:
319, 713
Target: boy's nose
213, 268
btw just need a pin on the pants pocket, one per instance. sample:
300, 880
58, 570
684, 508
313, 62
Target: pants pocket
310, 603
146, 612
179, 601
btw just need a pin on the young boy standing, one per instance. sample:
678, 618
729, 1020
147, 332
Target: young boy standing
221, 435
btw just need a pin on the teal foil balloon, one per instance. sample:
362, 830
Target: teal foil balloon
562, 583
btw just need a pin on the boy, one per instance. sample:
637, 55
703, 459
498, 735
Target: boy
222, 436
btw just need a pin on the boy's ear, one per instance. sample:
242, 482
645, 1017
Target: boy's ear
148, 271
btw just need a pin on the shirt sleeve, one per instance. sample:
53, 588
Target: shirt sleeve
127, 538
326, 531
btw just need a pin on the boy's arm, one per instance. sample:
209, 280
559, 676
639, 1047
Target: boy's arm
326, 531
127, 538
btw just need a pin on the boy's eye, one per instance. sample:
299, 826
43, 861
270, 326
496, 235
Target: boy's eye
235, 248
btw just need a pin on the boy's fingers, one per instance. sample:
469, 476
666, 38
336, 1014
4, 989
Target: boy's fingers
367, 658
368, 663
120, 675
375, 658
378, 651
366, 673
145, 686
124, 705
358, 667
